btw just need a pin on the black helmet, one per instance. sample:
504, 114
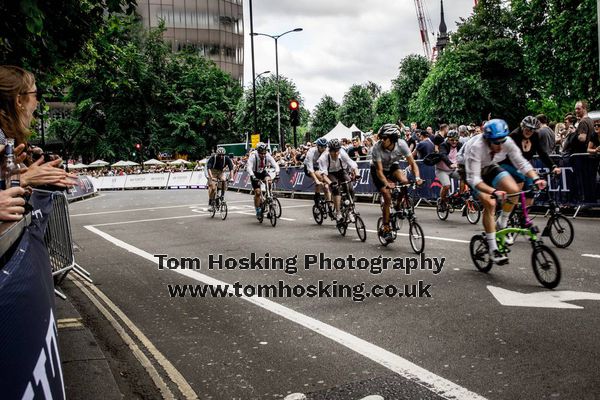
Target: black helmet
389, 131
530, 122
453, 134
334, 144
261, 148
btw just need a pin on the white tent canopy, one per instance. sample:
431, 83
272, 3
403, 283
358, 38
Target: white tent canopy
76, 166
179, 161
98, 163
340, 131
124, 164
354, 129
153, 161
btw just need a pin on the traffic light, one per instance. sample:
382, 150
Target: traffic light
138, 146
294, 113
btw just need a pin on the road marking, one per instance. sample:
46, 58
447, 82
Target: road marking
427, 237
175, 376
69, 323
137, 352
545, 299
393, 362
591, 255
149, 208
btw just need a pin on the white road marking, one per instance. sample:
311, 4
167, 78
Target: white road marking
148, 208
393, 362
175, 376
545, 299
591, 255
426, 237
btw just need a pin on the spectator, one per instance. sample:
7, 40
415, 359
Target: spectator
18, 100
594, 145
546, 135
560, 131
463, 133
577, 142
357, 151
440, 137
424, 147
430, 131
410, 141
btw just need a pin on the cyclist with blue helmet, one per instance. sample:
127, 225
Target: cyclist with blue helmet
311, 166
489, 180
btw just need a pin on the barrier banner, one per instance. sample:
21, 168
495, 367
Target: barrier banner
84, 187
29, 354
113, 182
154, 180
198, 180
179, 179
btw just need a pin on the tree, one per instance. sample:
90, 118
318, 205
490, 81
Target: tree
44, 36
324, 116
412, 72
266, 106
357, 107
385, 110
567, 69
480, 73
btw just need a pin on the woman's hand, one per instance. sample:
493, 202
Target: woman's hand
40, 173
12, 204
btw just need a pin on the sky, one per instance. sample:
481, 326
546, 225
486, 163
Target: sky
343, 42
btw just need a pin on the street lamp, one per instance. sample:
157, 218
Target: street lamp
261, 74
276, 37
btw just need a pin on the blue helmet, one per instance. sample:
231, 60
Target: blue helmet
495, 129
321, 142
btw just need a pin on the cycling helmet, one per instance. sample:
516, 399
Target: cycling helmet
453, 134
261, 148
389, 131
221, 151
334, 144
495, 129
321, 142
462, 128
530, 122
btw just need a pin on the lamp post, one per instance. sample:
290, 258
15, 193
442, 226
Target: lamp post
276, 38
261, 74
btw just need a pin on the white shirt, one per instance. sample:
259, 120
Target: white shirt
328, 164
479, 156
254, 165
312, 159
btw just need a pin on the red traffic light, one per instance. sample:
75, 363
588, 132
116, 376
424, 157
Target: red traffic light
138, 146
294, 105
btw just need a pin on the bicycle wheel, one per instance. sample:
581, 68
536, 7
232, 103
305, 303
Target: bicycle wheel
342, 225
416, 237
473, 211
546, 266
442, 210
277, 206
360, 228
317, 214
478, 247
223, 210
380, 231
214, 209
561, 231
273, 214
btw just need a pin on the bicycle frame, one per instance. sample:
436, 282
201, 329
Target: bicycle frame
531, 231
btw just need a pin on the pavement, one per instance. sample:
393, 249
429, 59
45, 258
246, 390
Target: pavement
498, 335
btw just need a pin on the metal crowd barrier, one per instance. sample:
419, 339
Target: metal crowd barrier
59, 243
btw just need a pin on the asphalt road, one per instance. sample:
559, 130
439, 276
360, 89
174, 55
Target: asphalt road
459, 343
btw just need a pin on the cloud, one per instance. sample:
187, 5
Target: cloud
342, 42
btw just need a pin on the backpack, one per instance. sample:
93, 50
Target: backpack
432, 158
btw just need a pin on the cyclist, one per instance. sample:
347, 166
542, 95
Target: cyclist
215, 167
528, 141
385, 168
311, 167
333, 165
257, 165
447, 167
489, 180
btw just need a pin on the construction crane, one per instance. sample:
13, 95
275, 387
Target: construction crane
424, 22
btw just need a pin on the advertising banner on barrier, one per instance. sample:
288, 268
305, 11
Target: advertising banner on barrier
84, 187
198, 180
156, 180
113, 182
29, 355
179, 179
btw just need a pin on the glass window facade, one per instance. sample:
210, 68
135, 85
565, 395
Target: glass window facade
214, 27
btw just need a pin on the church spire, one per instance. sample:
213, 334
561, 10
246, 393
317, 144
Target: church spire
443, 28
443, 38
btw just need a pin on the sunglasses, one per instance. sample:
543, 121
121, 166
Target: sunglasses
38, 94
499, 141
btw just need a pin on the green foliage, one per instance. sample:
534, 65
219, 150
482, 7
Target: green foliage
266, 107
385, 109
324, 116
357, 107
412, 72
